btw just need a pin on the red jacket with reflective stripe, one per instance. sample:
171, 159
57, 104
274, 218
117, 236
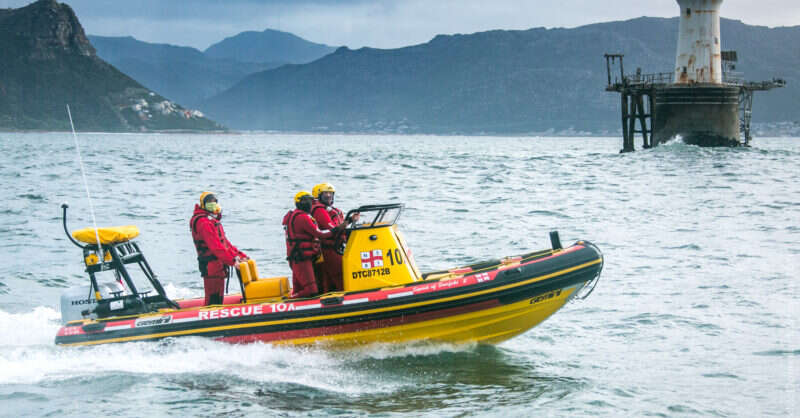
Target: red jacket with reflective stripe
207, 230
327, 217
302, 231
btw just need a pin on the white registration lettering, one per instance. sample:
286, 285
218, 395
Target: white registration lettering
282, 307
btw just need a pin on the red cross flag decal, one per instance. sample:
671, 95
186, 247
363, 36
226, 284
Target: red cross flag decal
371, 259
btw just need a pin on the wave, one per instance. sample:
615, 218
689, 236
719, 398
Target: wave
38, 326
560, 215
29, 356
31, 196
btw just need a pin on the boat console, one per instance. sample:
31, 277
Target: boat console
376, 254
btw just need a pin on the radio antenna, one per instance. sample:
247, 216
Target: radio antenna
100, 254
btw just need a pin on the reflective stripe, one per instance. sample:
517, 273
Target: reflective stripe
117, 327
312, 306
352, 301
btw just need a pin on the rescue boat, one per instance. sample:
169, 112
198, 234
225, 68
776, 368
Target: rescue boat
385, 298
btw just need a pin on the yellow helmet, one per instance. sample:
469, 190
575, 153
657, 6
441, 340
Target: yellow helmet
205, 197
322, 187
301, 194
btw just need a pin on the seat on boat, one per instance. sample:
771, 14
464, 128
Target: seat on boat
108, 235
261, 288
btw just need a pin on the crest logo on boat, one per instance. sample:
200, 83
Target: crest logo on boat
546, 296
149, 322
371, 259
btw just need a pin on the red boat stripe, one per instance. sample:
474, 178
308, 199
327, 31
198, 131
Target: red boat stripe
359, 326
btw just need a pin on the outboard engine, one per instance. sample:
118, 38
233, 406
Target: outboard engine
79, 299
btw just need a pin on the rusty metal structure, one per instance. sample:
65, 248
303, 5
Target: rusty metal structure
703, 100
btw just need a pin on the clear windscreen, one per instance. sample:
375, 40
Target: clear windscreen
379, 216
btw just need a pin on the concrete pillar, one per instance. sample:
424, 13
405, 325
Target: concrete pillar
706, 115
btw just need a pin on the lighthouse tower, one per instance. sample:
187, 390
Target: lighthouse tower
698, 106
696, 101
698, 56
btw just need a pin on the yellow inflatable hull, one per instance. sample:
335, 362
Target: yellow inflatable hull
489, 326
483, 303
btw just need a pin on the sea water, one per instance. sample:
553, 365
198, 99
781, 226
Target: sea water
696, 312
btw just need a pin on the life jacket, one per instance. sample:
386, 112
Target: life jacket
204, 255
337, 217
299, 246
341, 238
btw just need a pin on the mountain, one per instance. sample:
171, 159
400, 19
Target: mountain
47, 62
536, 80
183, 74
268, 46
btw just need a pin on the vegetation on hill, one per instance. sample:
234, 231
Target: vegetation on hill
46, 62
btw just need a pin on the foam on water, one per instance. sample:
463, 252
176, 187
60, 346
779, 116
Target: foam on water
33, 358
175, 291
28, 356
37, 327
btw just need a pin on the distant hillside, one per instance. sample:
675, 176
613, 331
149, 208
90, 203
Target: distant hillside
46, 62
268, 46
183, 74
535, 80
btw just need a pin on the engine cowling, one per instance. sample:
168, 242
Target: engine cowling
79, 299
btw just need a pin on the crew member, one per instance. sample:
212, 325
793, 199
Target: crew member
303, 244
329, 272
214, 252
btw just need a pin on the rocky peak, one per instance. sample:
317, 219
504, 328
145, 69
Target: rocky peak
45, 29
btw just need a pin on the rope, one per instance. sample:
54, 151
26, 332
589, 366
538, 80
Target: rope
100, 254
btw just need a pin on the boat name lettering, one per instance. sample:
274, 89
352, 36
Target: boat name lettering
373, 272
545, 296
282, 307
71, 331
449, 283
232, 312
148, 322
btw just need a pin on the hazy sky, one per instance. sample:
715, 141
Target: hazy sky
376, 23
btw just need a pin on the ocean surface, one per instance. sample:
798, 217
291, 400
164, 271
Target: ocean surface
697, 312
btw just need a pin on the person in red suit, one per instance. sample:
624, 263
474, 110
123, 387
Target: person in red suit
303, 244
329, 272
215, 254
